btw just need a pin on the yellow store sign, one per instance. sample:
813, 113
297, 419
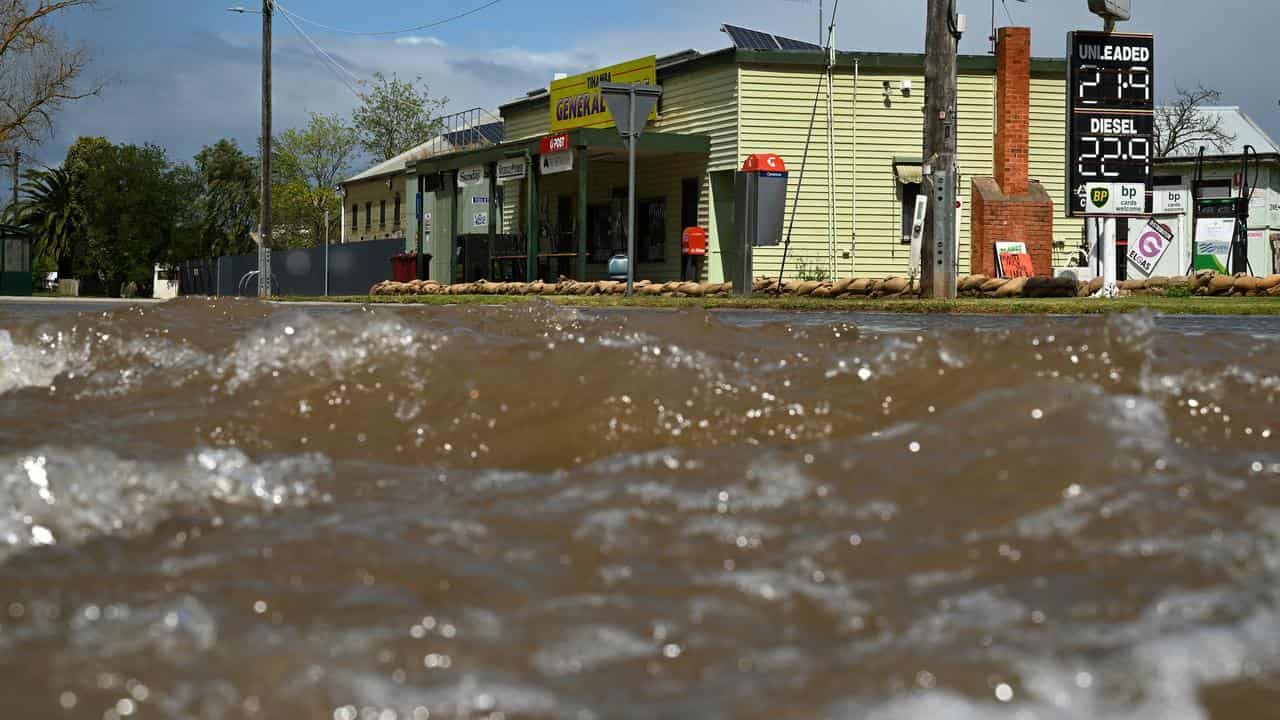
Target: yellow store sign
576, 101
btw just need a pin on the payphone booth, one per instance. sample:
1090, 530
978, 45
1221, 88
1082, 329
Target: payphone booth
760, 207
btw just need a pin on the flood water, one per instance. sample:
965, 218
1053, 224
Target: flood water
224, 509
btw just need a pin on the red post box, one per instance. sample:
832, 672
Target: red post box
693, 242
693, 251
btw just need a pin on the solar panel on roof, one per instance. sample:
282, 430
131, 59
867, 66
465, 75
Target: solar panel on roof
746, 39
787, 43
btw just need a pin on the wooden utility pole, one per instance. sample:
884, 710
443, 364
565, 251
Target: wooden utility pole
938, 251
264, 214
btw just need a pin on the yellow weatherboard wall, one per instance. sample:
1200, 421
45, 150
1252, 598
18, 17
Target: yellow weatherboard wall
576, 101
748, 102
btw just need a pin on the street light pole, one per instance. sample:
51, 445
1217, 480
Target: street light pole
264, 217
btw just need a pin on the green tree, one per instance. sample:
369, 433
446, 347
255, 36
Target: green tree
395, 115
226, 207
308, 164
132, 202
48, 209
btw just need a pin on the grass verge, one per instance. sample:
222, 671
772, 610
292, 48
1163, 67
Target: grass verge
969, 306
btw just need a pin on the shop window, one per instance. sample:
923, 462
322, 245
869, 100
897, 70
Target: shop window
651, 230
368, 215
602, 242
564, 238
690, 194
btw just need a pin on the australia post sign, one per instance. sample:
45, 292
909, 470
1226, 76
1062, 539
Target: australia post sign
576, 101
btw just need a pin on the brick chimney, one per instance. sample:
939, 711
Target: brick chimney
1009, 207
1013, 109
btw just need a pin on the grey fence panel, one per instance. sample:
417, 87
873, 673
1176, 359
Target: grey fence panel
353, 269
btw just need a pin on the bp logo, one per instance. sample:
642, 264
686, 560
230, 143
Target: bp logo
1100, 197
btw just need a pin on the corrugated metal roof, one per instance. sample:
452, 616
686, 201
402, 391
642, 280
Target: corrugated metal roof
489, 132
1238, 123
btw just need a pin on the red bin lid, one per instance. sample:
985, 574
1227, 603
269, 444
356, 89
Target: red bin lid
764, 162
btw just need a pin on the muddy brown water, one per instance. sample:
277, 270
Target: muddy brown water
223, 509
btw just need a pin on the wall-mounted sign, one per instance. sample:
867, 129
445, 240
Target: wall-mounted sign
509, 170
1110, 118
554, 143
1116, 199
1172, 202
576, 101
1153, 242
469, 177
557, 163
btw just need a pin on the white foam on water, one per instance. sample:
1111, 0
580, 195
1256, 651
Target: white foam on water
56, 496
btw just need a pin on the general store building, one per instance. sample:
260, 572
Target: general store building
859, 154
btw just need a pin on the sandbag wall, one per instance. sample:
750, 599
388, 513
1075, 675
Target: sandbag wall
1206, 283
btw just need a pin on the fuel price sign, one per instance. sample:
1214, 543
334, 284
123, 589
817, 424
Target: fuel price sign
1110, 123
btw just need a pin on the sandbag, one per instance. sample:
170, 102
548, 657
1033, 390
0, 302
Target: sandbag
1012, 288
841, 287
993, 284
1269, 282
807, 287
973, 283
895, 285
1201, 280
861, 286
1245, 284
1132, 284
1221, 284
822, 292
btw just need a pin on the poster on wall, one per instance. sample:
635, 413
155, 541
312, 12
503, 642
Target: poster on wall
480, 213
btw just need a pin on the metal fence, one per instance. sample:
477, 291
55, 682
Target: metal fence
353, 268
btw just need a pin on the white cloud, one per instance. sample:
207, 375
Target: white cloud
189, 91
420, 40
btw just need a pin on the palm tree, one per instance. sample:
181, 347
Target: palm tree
49, 211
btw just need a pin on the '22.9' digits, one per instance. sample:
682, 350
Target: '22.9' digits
1104, 157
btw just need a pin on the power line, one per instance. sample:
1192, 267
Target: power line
324, 56
402, 31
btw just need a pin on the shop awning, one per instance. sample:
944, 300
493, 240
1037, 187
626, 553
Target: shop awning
908, 171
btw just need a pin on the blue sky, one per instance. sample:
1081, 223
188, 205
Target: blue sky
184, 73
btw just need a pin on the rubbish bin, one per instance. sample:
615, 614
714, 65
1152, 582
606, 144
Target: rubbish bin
760, 206
404, 267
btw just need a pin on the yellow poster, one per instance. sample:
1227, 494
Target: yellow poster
576, 101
